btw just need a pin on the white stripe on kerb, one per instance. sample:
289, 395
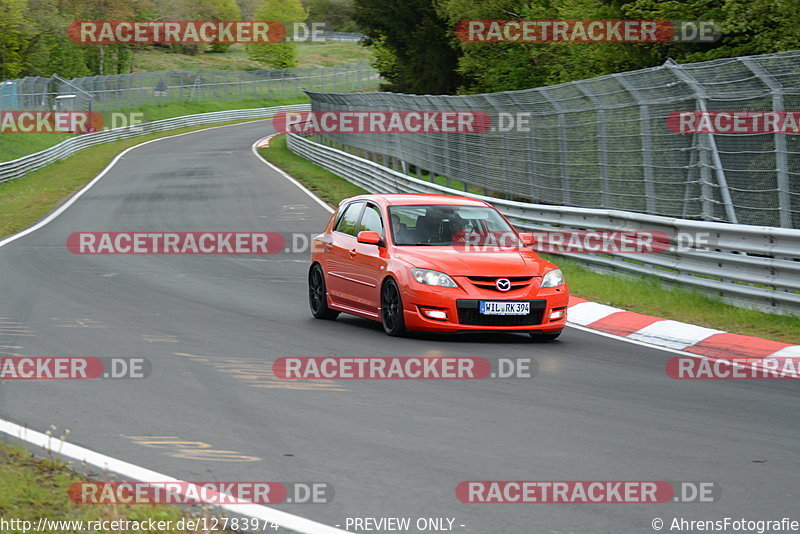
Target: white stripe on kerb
589, 312
673, 334
787, 352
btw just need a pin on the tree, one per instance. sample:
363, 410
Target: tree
336, 15
119, 54
13, 40
281, 55
220, 10
49, 50
419, 41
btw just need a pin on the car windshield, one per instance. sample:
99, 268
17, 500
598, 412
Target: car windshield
439, 225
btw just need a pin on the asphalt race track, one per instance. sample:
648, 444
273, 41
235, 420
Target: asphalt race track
599, 408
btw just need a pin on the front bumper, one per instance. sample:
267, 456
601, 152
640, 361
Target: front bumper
461, 306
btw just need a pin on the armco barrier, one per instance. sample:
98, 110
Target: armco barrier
755, 266
21, 166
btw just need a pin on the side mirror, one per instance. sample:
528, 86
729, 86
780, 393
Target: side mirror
369, 238
527, 239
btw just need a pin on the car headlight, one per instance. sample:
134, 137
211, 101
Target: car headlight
432, 278
553, 278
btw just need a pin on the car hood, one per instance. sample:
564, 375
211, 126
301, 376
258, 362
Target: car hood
457, 262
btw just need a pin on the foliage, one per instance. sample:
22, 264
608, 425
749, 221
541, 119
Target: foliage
281, 55
413, 44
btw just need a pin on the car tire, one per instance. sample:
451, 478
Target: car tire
392, 318
539, 336
318, 295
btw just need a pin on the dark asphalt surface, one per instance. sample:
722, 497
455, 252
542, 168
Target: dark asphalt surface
599, 409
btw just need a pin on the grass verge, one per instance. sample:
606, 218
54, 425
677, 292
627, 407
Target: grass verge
309, 54
33, 488
326, 185
645, 295
26, 200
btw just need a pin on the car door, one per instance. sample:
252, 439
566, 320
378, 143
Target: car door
369, 261
339, 255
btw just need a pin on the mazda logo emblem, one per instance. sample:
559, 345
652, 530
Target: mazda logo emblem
503, 284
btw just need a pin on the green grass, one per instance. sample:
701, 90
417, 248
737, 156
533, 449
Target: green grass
648, 295
28, 199
309, 54
327, 54
13, 146
31, 488
645, 295
178, 109
16, 145
326, 185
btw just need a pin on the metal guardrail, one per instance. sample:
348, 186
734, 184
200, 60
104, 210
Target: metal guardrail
22, 166
754, 266
351, 37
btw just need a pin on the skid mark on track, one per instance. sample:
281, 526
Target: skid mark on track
258, 373
79, 322
14, 328
292, 212
176, 447
160, 338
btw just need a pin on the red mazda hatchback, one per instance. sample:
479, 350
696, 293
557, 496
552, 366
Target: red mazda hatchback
434, 263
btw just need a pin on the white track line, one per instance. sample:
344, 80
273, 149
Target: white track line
303, 188
125, 469
140, 474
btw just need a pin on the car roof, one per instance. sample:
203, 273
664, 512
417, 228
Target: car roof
405, 199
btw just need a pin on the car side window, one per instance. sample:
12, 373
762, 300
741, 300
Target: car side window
371, 220
348, 223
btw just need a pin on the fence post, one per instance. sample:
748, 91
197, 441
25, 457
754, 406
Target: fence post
562, 142
708, 138
647, 149
601, 141
781, 156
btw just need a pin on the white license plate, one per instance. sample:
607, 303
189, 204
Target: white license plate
505, 308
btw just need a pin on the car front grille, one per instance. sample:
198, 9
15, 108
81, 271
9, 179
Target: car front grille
469, 314
490, 282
